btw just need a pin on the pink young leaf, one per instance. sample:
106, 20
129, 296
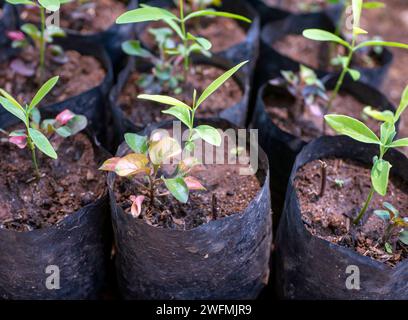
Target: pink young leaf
136, 208
19, 141
193, 184
64, 117
15, 35
22, 68
110, 164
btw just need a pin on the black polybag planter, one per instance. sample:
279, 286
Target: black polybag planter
273, 13
236, 114
91, 103
111, 38
283, 147
311, 268
247, 50
274, 62
79, 246
223, 259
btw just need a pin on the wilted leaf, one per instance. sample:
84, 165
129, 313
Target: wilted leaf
110, 164
136, 208
132, 164
64, 117
193, 183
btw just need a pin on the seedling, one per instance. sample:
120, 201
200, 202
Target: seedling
189, 42
360, 132
34, 136
43, 36
163, 76
351, 47
150, 154
396, 227
305, 87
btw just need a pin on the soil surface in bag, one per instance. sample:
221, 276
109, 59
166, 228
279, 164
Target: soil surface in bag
88, 17
223, 33
316, 54
348, 184
78, 74
66, 184
227, 192
299, 5
142, 112
309, 124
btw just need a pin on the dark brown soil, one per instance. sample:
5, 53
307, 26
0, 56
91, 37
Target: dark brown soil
79, 74
227, 192
317, 54
327, 217
309, 126
65, 186
142, 112
296, 5
92, 17
223, 33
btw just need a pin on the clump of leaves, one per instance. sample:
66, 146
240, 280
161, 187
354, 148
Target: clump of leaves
360, 132
352, 47
163, 76
34, 135
43, 36
396, 227
150, 154
189, 42
305, 87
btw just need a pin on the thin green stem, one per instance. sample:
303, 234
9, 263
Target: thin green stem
365, 207
185, 41
339, 82
42, 43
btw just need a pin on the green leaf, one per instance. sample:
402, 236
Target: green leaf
137, 143
21, 2
181, 113
379, 43
178, 188
209, 13
403, 104
399, 143
403, 237
373, 5
163, 99
355, 74
10, 107
352, 128
323, 35
133, 48
44, 90
388, 248
217, 83
380, 176
385, 116
209, 134
357, 8
382, 214
12, 100
145, 14
42, 143
51, 5
387, 133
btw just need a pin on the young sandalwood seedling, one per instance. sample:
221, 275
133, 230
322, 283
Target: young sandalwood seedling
34, 136
396, 227
189, 42
150, 154
360, 132
163, 76
305, 87
43, 36
352, 47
